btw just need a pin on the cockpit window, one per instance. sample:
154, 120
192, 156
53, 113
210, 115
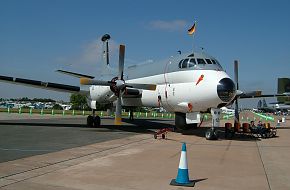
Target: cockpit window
201, 61
218, 63
184, 63
179, 64
191, 55
208, 61
214, 61
191, 63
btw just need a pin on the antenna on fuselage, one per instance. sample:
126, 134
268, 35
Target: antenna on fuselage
105, 40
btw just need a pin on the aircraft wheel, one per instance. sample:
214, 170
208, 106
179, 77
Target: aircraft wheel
163, 136
97, 121
211, 134
90, 121
180, 122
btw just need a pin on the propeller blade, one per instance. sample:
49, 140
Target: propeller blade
118, 115
141, 86
236, 71
236, 65
237, 116
87, 81
121, 61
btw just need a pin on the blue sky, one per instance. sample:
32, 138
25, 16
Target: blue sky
38, 37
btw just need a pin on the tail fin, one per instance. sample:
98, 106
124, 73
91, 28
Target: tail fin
259, 104
283, 87
264, 103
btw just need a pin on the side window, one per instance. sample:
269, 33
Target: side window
191, 63
208, 61
201, 61
180, 64
184, 64
213, 61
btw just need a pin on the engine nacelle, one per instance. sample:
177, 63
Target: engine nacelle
100, 94
92, 104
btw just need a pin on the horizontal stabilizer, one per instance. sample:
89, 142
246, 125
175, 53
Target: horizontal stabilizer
40, 84
75, 74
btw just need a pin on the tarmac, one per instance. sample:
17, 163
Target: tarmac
132, 159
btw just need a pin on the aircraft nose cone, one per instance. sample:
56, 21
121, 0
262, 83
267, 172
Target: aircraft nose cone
226, 89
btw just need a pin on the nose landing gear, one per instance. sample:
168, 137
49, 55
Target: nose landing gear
212, 133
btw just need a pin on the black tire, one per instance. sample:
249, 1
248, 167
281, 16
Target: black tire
155, 136
90, 121
97, 121
163, 136
180, 121
211, 134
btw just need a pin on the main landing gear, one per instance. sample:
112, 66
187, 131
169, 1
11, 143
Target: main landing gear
180, 122
93, 120
212, 133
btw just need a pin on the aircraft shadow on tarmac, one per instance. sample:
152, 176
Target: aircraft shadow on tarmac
200, 132
144, 126
136, 126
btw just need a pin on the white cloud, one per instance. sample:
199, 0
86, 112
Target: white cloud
91, 57
173, 25
93, 52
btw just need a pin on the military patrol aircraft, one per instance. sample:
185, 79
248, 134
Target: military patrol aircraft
186, 85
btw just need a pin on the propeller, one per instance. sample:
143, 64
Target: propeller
236, 72
118, 85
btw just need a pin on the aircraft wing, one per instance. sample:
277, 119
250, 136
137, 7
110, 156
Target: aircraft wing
243, 96
40, 84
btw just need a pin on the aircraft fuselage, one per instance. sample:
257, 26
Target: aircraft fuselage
184, 84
